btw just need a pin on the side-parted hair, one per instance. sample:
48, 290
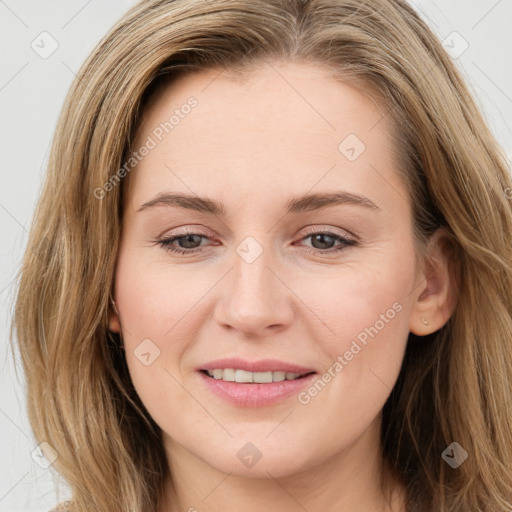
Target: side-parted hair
455, 384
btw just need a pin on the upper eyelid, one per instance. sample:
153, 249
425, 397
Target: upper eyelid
309, 231
327, 229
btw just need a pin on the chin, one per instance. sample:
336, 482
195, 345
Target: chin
249, 462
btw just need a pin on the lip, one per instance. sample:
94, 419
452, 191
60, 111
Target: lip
255, 395
263, 365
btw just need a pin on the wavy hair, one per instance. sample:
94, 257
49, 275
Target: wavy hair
455, 384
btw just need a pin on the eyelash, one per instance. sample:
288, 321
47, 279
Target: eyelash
166, 243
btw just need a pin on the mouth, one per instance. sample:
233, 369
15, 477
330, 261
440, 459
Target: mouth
247, 389
247, 377
257, 383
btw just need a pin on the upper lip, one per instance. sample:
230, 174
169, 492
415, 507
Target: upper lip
263, 365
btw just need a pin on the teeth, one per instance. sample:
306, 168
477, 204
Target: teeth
217, 374
243, 376
234, 375
228, 374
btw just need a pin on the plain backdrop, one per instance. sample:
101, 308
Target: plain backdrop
43, 44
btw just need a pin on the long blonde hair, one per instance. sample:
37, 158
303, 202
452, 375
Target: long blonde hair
455, 384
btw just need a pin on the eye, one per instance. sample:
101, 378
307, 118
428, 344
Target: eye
188, 241
322, 241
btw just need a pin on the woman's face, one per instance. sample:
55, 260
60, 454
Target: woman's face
277, 172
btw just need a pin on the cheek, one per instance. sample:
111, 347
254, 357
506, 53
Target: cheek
154, 298
155, 305
366, 310
362, 319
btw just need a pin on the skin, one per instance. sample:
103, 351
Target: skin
253, 145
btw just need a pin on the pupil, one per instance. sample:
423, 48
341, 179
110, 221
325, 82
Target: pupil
187, 239
322, 237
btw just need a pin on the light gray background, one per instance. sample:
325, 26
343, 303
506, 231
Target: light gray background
32, 90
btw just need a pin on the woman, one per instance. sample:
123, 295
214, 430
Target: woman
191, 343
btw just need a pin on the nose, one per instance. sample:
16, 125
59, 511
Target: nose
255, 296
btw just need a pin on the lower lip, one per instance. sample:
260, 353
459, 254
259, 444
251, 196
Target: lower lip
255, 395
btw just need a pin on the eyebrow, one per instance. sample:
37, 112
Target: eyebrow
306, 203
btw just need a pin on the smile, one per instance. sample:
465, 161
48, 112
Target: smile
251, 393
243, 376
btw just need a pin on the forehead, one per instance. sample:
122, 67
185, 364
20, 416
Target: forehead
282, 125
275, 95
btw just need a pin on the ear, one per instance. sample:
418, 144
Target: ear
114, 324
436, 297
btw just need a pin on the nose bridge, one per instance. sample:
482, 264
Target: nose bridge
251, 265
255, 298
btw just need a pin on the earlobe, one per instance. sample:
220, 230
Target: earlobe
437, 297
114, 323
